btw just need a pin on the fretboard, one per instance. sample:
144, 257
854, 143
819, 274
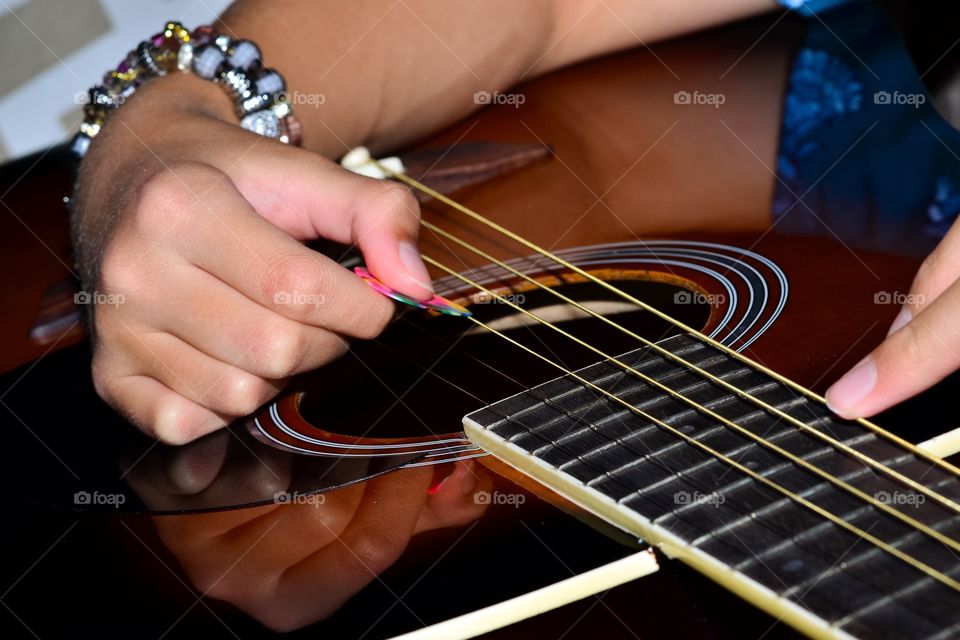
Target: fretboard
762, 542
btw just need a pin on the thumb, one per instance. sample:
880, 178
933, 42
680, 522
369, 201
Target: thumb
912, 359
310, 197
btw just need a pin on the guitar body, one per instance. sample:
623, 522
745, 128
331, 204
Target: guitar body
669, 202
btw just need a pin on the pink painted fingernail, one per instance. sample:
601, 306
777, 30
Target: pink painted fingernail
902, 318
416, 270
847, 392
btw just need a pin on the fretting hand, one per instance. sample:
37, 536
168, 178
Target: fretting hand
922, 347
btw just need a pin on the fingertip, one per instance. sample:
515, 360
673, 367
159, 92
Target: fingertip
847, 395
840, 411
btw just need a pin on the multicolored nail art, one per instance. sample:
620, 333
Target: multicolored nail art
436, 303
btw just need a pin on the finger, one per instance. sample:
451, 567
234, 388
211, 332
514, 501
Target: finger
940, 269
453, 502
159, 411
220, 387
916, 357
219, 232
309, 196
244, 333
213, 471
375, 538
164, 475
193, 469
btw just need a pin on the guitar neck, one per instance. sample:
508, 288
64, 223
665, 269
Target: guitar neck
826, 524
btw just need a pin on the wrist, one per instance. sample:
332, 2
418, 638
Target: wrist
181, 94
258, 93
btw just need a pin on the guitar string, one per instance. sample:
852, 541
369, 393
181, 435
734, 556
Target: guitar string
415, 184
699, 336
648, 455
803, 426
872, 500
891, 550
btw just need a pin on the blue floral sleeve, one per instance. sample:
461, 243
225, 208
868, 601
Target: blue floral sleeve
863, 154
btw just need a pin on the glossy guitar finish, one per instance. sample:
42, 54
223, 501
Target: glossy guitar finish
687, 188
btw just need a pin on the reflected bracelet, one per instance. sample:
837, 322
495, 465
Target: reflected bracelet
258, 93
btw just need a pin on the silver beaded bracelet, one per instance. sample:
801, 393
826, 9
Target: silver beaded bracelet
258, 93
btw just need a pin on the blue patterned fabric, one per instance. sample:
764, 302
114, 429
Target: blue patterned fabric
823, 89
863, 154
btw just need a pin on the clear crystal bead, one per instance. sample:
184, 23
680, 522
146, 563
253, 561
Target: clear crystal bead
265, 122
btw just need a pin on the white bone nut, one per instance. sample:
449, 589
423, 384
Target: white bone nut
359, 161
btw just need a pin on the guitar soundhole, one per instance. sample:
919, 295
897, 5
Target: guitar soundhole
426, 372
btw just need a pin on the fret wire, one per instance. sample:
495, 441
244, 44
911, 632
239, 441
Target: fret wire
920, 453
869, 499
879, 466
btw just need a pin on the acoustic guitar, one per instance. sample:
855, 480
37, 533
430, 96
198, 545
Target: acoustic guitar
635, 385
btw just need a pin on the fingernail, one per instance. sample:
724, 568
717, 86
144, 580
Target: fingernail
902, 318
462, 474
847, 392
416, 270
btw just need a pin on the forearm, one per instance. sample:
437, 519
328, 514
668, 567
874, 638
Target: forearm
383, 73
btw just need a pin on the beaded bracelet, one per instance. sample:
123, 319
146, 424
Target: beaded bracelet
258, 93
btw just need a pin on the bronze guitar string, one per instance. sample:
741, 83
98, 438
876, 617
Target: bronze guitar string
930, 532
696, 334
953, 470
908, 559
806, 428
